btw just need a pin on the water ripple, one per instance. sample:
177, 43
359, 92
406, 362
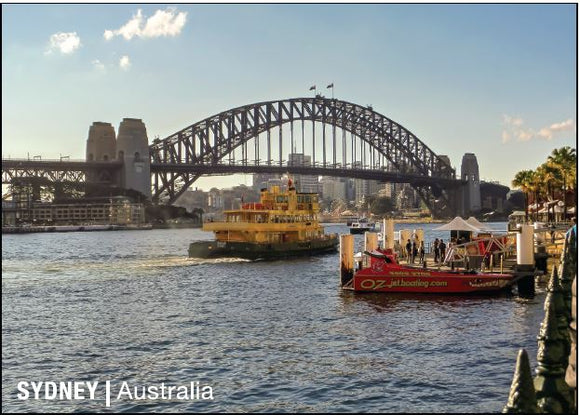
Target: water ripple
267, 336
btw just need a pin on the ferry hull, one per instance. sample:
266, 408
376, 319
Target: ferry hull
252, 251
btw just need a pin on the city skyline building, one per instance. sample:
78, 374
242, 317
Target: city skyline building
303, 183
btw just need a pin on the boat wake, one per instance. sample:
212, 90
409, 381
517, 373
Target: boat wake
186, 261
38, 272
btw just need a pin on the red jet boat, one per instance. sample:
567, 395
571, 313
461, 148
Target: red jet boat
385, 274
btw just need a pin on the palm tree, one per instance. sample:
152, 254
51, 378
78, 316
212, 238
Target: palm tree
536, 187
551, 179
523, 179
565, 161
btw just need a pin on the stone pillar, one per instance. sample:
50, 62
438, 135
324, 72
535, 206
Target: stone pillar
389, 234
133, 150
346, 259
470, 173
101, 143
371, 241
525, 260
101, 147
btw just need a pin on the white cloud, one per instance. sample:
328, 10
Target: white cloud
108, 35
505, 136
132, 27
516, 122
167, 22
65, 43
567, 125
525, 135
98, 65
514, 127
545, 133
124, 63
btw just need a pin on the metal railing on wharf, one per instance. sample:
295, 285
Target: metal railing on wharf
554, 388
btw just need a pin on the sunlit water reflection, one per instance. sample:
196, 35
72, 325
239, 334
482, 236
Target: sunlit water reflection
267, 336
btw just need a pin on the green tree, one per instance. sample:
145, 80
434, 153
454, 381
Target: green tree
549, 180
565, 161
381, 206
524, 180
557, 173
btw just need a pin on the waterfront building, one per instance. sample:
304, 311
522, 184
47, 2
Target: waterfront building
333, 188
193, 199
8, 213
117, 210
350, 193
406, 197
261, 180
364, 188
387, 190
215, 200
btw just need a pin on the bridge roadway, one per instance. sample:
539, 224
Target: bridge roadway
316, 170
69, 170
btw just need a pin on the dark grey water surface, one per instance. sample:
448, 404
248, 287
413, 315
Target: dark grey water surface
266, 336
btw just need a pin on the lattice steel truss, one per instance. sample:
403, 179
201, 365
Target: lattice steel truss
59, 171
183, 157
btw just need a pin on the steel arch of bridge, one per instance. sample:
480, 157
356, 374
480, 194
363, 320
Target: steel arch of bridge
180, 159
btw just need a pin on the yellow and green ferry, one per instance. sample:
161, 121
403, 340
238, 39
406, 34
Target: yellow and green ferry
283, 224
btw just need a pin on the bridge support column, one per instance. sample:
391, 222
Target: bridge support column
133, 150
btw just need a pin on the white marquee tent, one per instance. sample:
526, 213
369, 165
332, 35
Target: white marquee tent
458, 224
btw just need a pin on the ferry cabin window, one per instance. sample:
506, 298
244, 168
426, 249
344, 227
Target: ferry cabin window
281, 199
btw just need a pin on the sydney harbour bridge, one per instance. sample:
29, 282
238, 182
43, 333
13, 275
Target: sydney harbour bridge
342, 139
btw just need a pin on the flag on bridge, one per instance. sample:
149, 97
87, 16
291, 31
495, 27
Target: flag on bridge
312, 87
331, 85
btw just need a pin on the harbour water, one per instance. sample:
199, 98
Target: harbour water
265, 336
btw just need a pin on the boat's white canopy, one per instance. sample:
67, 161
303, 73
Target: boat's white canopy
517, 213
458, 224
474, 222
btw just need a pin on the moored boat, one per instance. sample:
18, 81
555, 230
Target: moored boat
281, 225
383, 273
361, 226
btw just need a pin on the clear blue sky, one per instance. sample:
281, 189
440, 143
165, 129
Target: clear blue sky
493, 79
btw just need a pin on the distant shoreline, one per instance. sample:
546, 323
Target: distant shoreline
72, 228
